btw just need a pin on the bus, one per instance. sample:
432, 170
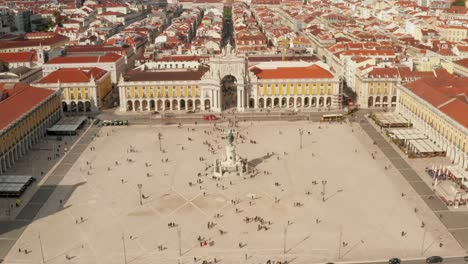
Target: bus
332, 117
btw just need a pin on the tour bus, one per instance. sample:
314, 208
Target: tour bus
332, 117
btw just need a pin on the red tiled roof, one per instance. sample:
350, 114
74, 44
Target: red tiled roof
463, 62
111, 13
260, 58
73, 75
138, 75
18, 56
457, 110
182, 58
109, 57
32, 40
20, 99
447, 93
310, 72
97, 49
358, 59
383, 73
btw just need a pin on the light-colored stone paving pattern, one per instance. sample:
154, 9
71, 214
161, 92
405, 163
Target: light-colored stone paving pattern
363, 200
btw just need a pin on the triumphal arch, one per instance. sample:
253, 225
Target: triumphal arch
228, 81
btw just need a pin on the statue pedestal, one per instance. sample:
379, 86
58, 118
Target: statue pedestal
230, 163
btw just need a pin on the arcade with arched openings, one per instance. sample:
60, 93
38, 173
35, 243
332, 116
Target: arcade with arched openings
78, 106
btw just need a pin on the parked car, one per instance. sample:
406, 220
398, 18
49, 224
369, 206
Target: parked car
434, 259
106, 123
210, 117
394, 261
117, 123
169, 115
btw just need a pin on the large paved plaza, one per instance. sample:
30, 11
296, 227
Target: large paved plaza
364, 215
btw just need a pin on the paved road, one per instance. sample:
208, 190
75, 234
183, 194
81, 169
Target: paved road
10, 231
451, 260
192, 118
455, 222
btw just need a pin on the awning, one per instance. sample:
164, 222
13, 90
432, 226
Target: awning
67, 125
14, 185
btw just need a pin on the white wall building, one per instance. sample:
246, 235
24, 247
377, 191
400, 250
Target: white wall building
111, 62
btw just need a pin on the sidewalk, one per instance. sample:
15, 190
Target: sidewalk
451, 220
11, 231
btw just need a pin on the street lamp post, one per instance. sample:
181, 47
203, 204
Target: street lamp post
422, 241
179, 239
159, 139
301, 132
42, 249
139, 189
124, 248
323, 190
340, 242
285, 238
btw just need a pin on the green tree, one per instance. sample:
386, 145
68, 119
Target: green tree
57, 18
227, 12
459, 3
50, 23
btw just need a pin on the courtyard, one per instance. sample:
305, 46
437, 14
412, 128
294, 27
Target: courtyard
326, 195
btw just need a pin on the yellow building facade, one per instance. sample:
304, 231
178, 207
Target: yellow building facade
445, 131
300, 85
85, 94
376, 92
454, 33
159, 97
285, 93
19, 135
228, 82
156, 88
